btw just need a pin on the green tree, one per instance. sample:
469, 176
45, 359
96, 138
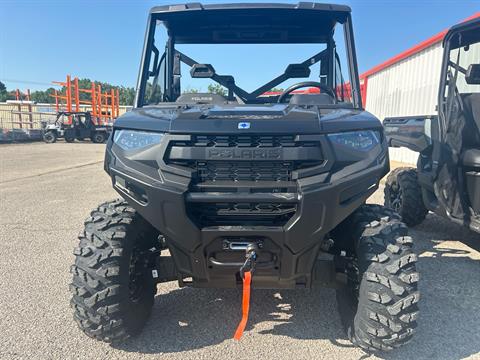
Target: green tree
126, 95
3, 92
43, 96
11, 95
217, 89
190, 90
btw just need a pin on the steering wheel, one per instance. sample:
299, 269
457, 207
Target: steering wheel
323, 88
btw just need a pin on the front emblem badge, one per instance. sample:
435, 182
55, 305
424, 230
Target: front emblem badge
243, 125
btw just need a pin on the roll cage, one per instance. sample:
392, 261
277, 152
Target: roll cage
458, 36
246, 24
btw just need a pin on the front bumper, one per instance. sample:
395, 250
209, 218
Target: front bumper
163, 194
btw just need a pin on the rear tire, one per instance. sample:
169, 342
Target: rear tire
113, 290
99, 138
378, 307
404, 195
50, 137
69, 139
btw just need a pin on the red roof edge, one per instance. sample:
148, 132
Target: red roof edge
416, 49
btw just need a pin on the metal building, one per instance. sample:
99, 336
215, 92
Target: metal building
405, 85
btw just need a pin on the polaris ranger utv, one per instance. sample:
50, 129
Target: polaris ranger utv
247, 189
447, 178
80, 127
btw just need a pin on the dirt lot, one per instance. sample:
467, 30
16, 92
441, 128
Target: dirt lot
47, 190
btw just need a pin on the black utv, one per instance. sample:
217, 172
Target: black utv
244, 186
447, 178
80, 126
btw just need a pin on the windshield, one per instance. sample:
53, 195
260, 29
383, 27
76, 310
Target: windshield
251, 65
461, 59
247, 73
460, 84
462, 73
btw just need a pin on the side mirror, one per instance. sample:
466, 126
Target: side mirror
297, 71
472, 77
202, 71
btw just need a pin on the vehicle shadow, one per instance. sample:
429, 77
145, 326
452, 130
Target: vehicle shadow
188, 319
448, 230
449, 264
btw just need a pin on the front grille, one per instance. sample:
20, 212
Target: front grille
246, 141
222, 164
242, 157
272, 214
244, 171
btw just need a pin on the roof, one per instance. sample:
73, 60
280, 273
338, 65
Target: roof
470, 31
249, 6
305, 22
414, 50
471, 21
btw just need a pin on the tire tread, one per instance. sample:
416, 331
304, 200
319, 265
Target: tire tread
413, 210
99, 285
387, 310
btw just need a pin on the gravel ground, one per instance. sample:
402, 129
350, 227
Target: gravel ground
47, 190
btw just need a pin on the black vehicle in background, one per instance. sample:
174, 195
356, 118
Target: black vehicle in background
244, 186
446, 180
80, 126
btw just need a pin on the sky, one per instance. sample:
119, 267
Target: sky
43, 41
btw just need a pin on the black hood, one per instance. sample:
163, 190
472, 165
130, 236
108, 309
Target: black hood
253, 119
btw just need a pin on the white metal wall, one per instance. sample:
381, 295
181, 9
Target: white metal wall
409, 87
403, 155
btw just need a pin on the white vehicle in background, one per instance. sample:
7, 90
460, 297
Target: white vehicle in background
80, 126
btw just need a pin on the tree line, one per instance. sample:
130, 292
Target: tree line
126, 94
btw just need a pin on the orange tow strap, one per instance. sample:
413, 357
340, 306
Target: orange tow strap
245, 305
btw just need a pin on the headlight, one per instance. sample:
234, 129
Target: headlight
133, 140
356, 140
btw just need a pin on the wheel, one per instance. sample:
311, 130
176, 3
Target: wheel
404, 195
99, 138
113, 290
378, 306
50, 137
69, 139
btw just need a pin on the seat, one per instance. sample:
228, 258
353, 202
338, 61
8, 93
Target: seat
471, 164
471, 133
471, 158
471, 112
311, 99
